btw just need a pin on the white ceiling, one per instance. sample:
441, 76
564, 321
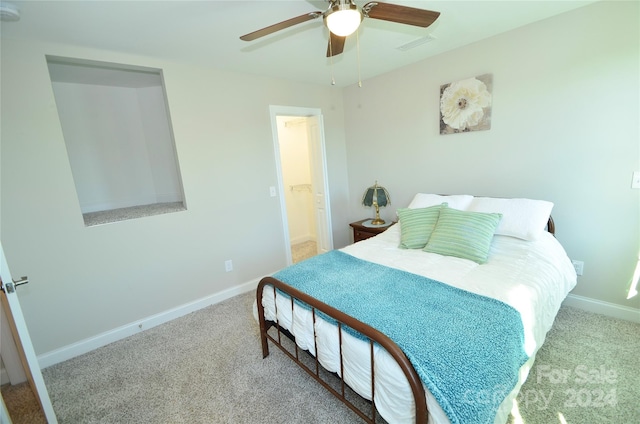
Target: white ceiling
206, 33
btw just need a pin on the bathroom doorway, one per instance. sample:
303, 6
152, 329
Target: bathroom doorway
300, 157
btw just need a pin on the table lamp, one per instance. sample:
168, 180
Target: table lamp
377, 197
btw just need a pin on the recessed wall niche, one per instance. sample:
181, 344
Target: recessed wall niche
117, 130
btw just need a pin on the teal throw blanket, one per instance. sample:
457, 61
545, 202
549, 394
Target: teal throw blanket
466, 348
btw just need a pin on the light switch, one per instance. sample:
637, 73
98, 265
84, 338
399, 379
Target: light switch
272, 191
635, 182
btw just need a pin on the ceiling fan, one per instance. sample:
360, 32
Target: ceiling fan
343, 18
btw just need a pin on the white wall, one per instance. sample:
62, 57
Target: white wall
564, 128
159, 144
119, 145
88, 280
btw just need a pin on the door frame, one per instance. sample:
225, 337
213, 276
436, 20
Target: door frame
302, 112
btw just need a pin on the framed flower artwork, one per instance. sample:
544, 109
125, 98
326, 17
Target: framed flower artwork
465, 105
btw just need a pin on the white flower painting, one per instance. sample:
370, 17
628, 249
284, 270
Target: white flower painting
465, 105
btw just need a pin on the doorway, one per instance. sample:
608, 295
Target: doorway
301, 166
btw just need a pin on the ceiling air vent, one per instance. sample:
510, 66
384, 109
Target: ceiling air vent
417, 42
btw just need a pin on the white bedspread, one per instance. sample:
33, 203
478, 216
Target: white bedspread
534, 277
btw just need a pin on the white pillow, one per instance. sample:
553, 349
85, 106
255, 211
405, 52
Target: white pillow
456, 201
521, 218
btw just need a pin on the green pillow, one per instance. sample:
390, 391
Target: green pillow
416, 226
463, 234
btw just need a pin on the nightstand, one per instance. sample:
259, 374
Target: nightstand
363, 232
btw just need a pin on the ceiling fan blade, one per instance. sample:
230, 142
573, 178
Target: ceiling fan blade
336, 44
400, 14
281, 25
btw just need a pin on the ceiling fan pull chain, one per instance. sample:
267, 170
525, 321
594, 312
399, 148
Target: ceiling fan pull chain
333, 80
358, 50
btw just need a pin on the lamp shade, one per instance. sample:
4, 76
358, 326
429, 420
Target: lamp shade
343, 19
376, 195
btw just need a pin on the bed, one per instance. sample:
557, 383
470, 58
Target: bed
437, 319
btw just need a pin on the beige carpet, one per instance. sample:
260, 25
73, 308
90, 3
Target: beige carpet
207, 367
22, 404
587, 371
304, 250
133, 212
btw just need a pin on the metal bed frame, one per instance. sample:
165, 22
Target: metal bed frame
371, 333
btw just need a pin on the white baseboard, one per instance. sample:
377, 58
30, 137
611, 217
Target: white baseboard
604, 308
83, 346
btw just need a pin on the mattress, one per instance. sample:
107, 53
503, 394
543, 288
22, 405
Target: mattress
534, 277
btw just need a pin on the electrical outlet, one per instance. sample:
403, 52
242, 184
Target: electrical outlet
228, 265
579, 266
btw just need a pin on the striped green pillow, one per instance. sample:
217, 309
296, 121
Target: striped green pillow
463, 234
416, 226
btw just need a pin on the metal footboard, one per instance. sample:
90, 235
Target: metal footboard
342, 319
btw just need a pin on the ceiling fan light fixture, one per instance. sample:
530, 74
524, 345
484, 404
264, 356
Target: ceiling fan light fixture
9, 12
343, 19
